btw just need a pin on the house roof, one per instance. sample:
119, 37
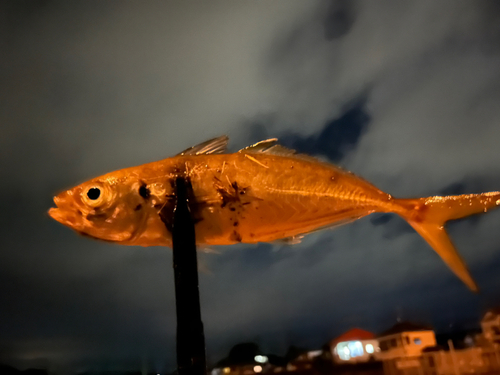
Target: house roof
404, 327
353, 334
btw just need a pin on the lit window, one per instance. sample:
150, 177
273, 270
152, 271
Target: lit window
343, 351
369, 348
346, 353
417, 341
356, 348
349, 349
260, 358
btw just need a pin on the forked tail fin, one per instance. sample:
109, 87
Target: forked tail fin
428, 216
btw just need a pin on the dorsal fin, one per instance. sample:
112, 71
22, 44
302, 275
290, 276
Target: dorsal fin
260, 147
270, 146
212, 146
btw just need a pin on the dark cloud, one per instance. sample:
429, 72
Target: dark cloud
339, 19
403, 98
487, 35
311, 256
17, 15
253, 259
338, 137
392, 225
380, 219
455, 188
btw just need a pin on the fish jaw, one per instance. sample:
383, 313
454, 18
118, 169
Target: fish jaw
59, 215
65, 212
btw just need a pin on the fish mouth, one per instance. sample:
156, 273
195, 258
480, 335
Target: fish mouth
56, 214
63, 212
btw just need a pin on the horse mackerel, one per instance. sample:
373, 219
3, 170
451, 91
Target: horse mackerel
262, 193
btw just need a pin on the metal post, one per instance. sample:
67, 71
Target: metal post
453, 357
190, 337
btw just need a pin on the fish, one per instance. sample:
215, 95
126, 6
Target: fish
262, 193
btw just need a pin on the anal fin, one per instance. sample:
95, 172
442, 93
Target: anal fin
292, 240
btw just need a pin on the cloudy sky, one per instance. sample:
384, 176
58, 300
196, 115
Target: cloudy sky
404, 94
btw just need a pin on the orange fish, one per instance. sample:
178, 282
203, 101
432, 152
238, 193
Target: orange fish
262, 193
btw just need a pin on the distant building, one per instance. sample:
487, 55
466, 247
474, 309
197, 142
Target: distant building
255, 367
405, 339
409, 349
241, 369
243, 359
303, 362
354, 346
490, 324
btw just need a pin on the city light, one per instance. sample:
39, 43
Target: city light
261, 358
350, 349
257, 368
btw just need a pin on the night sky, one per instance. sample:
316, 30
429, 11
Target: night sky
404, 94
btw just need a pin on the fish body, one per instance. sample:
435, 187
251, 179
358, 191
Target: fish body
262, 193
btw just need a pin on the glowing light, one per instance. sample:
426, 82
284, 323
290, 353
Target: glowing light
369, 348
257, 368
343, 351
314, 353
357, 350
226, 370
350, 349
260, 358
346, 354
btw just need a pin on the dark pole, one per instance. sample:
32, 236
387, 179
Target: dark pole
190, 337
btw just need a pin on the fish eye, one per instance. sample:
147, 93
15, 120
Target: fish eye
93, 193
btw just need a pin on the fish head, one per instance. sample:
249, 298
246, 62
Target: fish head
105, 208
